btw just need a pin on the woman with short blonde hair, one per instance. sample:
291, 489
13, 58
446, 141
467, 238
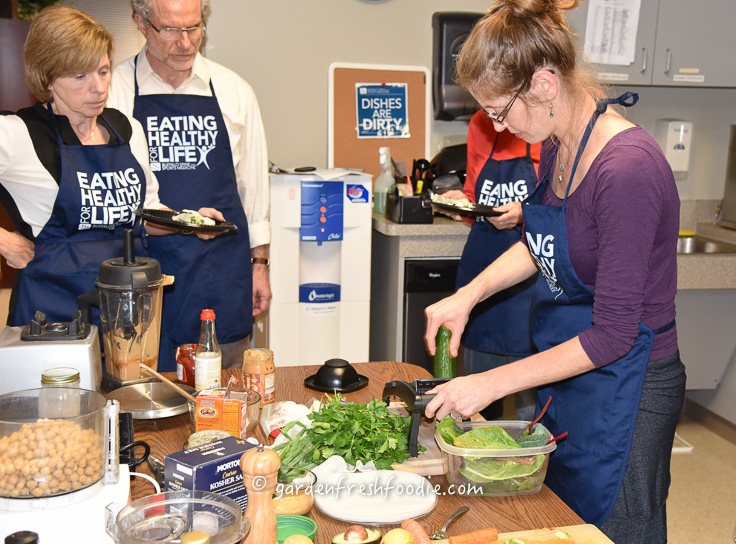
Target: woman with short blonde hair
62, 42
73, 172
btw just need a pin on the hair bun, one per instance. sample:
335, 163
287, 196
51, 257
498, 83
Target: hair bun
535, 8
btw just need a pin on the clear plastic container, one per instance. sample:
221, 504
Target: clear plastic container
496, 472
45, 454
384, 181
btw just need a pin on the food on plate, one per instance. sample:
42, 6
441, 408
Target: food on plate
476, 537
193, 217
416, 530
204, 437
298, 539
294, 493
357, 534
398, 536
459, 202
356, 432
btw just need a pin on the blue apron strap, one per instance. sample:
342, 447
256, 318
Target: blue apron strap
667, 327
626, 100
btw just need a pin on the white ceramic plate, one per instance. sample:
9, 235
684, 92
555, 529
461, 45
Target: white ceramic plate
376, 497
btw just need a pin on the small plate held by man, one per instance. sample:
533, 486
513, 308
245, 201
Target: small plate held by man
185, 220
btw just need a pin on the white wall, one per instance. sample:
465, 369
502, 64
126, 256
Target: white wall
284, 49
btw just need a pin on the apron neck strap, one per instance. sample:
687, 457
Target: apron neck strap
626, 100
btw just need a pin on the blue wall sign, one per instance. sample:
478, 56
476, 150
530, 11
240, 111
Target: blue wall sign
381, 110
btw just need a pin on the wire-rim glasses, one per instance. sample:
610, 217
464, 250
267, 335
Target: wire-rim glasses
501, 117
171, 34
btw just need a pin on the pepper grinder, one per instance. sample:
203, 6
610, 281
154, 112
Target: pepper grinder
260, 467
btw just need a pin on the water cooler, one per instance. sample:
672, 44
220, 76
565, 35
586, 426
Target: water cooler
320, 268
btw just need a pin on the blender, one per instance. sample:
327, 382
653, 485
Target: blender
129, 295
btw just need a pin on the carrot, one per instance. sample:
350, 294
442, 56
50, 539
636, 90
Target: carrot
416, 530
476, 537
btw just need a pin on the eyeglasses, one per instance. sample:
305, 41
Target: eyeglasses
171, 34
501, 117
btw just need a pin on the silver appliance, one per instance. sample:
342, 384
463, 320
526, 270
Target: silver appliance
25, 352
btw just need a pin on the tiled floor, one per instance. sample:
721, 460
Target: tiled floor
702, 501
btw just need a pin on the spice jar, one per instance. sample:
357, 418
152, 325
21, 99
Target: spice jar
60, 397
259, 373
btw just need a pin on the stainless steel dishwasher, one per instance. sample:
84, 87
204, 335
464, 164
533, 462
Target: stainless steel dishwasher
426, 281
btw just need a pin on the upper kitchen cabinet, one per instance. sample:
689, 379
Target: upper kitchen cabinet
679, 43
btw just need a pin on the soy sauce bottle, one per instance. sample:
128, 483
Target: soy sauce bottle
208, 357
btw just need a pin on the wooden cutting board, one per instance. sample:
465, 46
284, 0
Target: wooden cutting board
580, 534
429, 462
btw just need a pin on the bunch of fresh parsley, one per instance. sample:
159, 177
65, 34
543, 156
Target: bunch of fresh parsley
356, 432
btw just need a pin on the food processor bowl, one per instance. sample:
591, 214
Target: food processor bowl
52, 442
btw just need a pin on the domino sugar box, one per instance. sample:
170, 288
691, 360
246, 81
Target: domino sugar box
214, 467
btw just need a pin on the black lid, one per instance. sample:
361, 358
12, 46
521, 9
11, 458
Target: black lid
22, 537
129, 271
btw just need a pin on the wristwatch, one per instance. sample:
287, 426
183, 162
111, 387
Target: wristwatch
261, 260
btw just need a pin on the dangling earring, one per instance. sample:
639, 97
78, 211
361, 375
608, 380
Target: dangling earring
551, 110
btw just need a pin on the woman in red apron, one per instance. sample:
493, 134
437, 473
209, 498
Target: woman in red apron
601, 228
501, 172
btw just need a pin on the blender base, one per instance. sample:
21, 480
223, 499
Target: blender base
80, 522
110, 382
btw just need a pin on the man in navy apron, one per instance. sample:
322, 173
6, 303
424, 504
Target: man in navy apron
207, 148
498, 331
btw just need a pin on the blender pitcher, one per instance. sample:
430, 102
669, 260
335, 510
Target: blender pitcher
130, 296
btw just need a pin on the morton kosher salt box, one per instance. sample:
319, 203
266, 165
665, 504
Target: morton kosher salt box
213, 467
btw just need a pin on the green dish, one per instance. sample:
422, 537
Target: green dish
294, 525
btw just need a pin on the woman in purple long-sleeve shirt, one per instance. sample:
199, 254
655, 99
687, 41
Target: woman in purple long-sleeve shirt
602, 228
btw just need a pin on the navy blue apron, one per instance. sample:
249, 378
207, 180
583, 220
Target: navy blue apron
100, 188
500, 324
598, 409
190, 154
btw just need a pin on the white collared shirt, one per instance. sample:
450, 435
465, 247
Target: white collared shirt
242, 119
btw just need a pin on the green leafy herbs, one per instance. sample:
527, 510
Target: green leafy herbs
356, 432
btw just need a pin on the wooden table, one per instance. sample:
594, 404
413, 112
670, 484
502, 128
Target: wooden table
543, 509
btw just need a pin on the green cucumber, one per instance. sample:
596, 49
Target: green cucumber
444, 363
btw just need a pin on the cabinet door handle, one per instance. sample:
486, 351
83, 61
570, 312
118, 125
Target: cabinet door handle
644, 61
669, 61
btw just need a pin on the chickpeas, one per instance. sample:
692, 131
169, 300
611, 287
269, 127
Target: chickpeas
49, 457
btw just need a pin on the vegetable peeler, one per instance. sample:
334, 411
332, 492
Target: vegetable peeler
415, 397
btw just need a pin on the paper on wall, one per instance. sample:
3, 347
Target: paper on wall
610, 31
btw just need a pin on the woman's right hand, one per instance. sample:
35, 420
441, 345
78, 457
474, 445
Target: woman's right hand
16, 249
452, 312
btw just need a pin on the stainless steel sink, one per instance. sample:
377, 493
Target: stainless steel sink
691, 245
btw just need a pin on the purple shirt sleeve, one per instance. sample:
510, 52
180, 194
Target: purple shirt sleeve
622, 227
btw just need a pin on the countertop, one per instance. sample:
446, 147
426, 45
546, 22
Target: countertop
447, 237
512, 513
